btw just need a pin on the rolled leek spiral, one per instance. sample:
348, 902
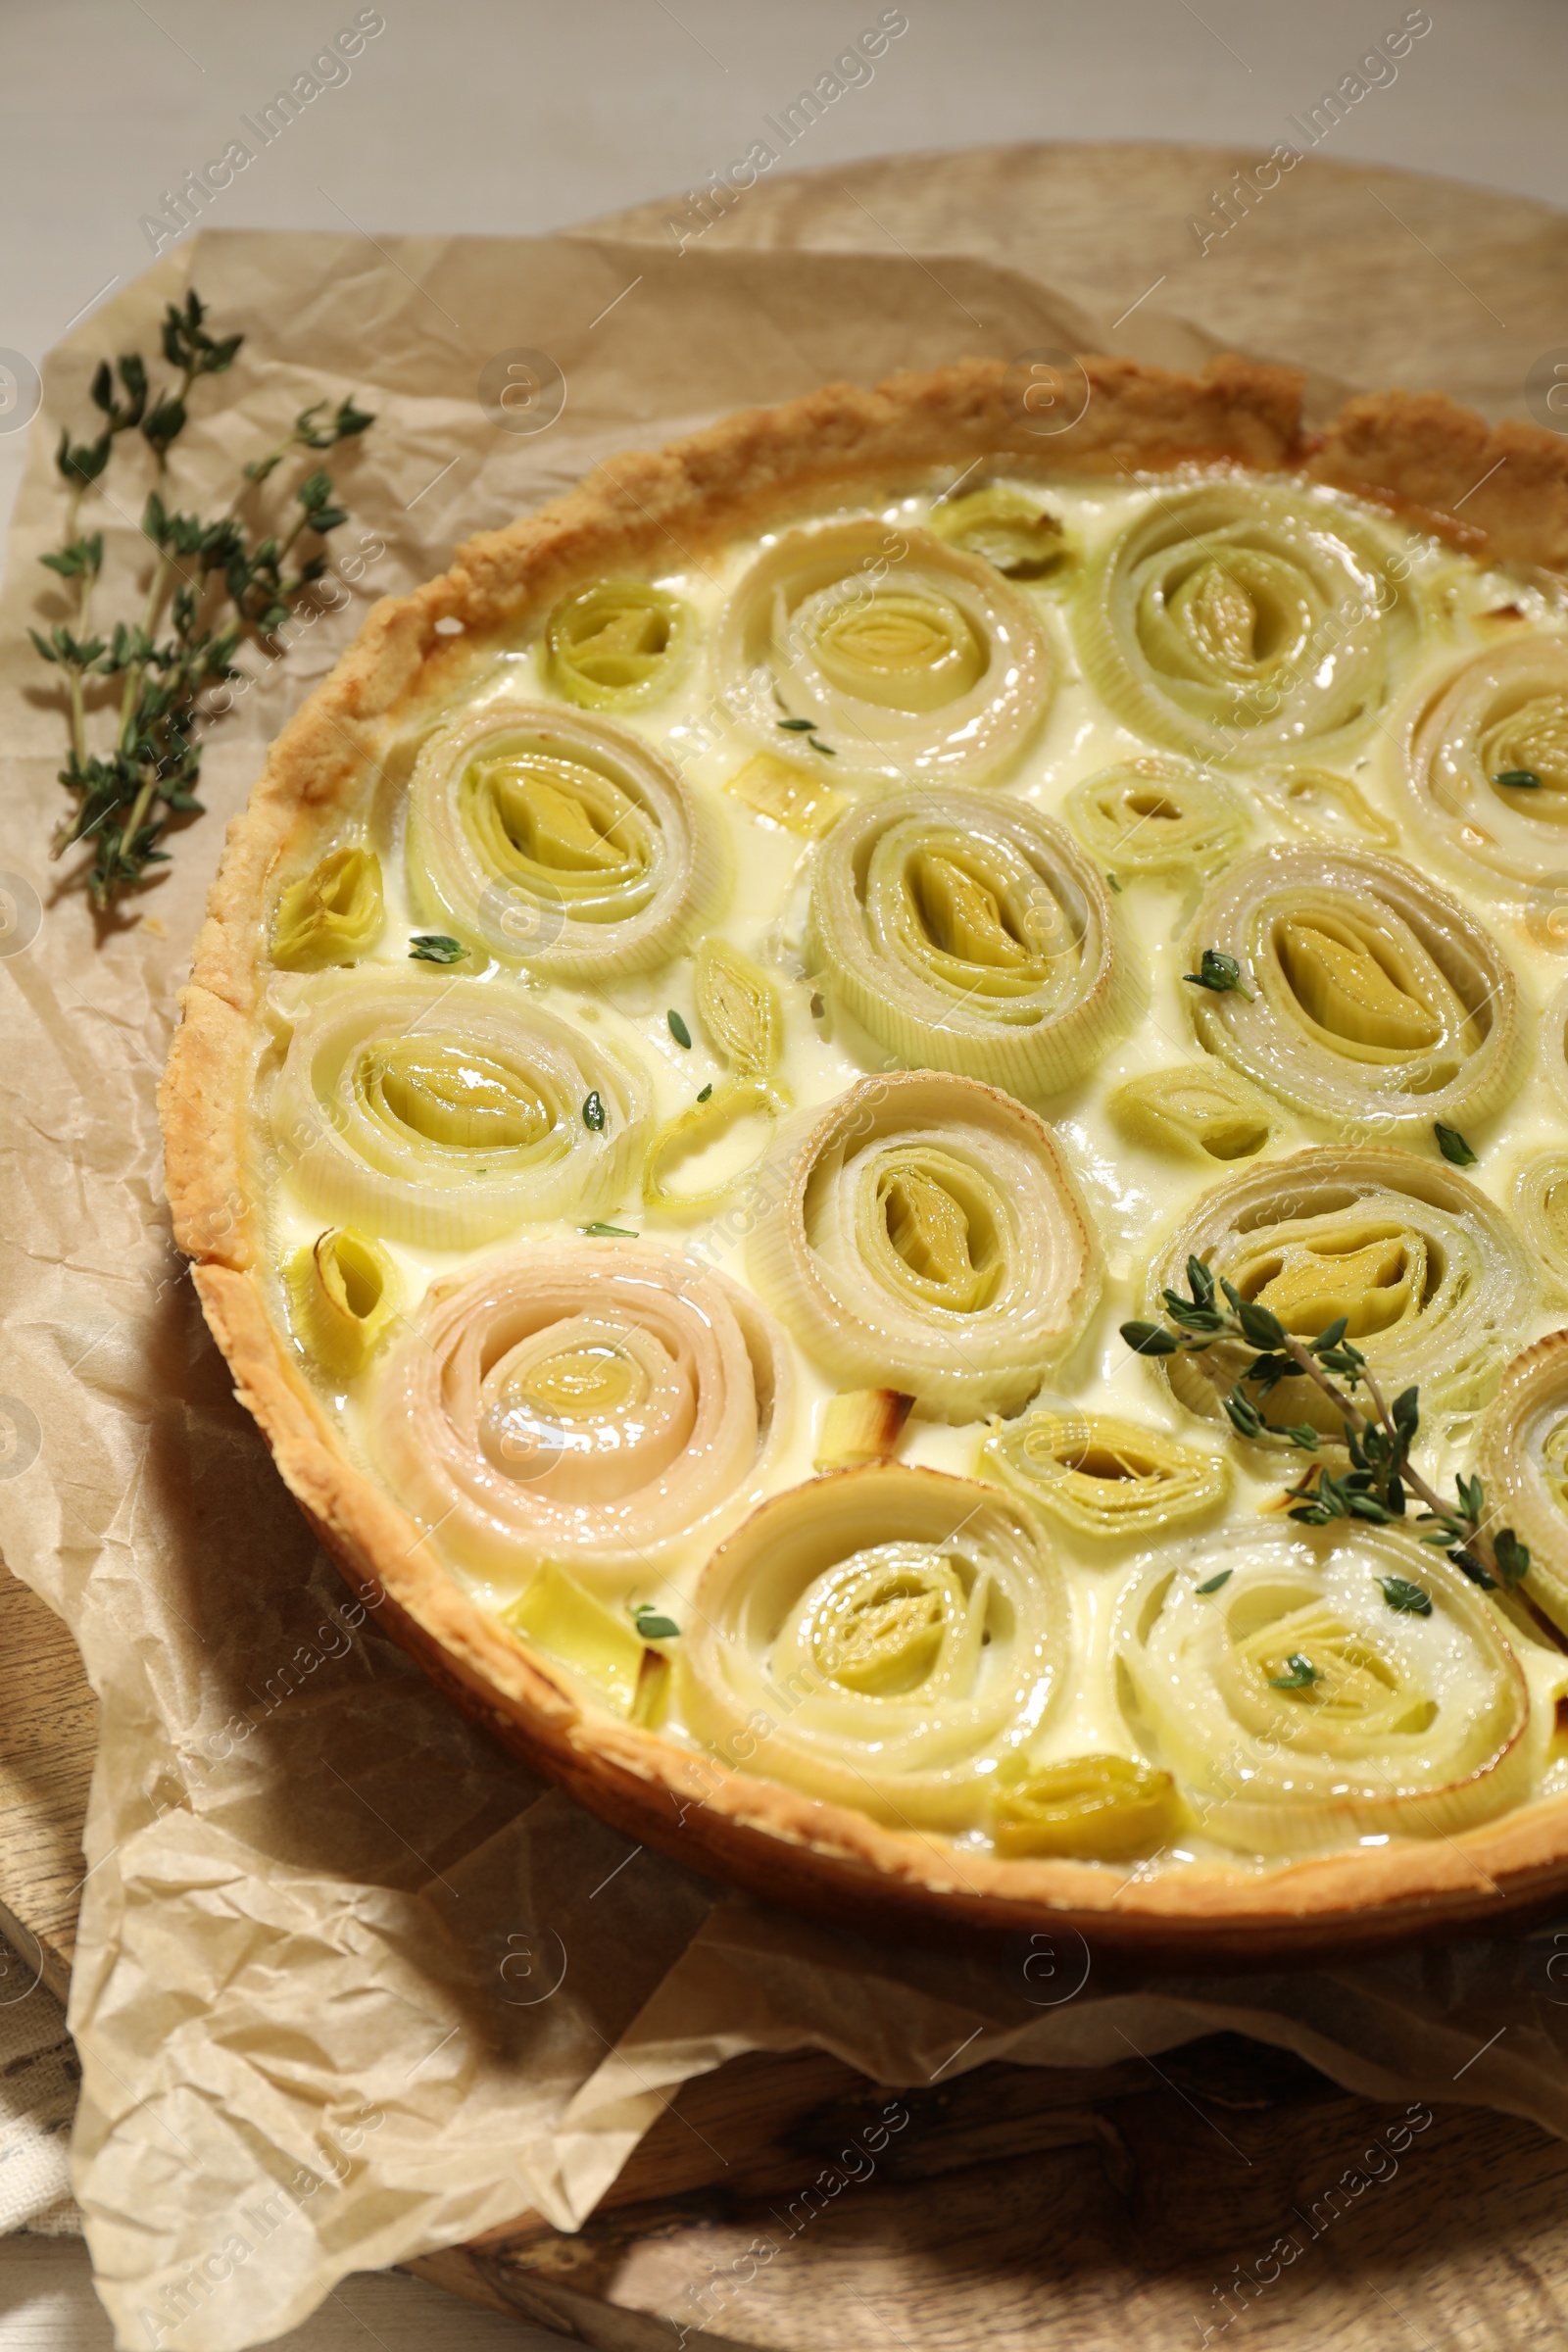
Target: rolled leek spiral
970, 934
922, 1232
1297, 1709
1540, 1205
594, 1406
1235, 622
445, 1111
1523, 1463
893, 1630
1504, 713
1195, 1110
618, 644
1020, 537
335, 915
1104, 1478
561, 843
1378, 1001
1154, 815
1430, 1276
908, 659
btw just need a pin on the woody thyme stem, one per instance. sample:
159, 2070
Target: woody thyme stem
1359, 1422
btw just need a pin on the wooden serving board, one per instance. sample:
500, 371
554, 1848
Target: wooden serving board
48, 1735
1037, 2210
780, 2202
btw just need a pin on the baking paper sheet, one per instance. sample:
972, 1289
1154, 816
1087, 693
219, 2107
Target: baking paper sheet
351, 1985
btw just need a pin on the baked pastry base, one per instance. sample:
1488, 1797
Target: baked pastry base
1419, 455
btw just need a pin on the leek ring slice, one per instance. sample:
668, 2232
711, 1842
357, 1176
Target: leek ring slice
334, 914
1195, 1110
1325, 806
1097, 1807
922, 1232
1154, 815
444, 1113
619, 645
561, 843
971, 934
1020, 537
593, 1405
1502, 713
343, 1289
1104, 1478
1297, 1711
696, 1129
739, 1008
1523, 1464
1428, 1274
907, 657
897, 1630
1237, 623
1540, 1205
1379, 1002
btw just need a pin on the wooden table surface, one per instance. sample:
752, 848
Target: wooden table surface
1027, 2209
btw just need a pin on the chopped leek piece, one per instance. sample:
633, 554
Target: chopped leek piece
739, 1008
779, 790
565, 1620
859, 1425
343, 1291
333, 915
1006, 528
1090, 1805
620, 646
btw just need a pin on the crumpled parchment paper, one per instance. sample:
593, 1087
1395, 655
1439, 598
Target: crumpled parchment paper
351, 1985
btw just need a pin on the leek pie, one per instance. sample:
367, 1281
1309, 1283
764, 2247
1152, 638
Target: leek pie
725, 1002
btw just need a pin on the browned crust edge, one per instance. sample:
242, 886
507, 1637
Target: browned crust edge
1421, 455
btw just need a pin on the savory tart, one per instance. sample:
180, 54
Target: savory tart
878, 1117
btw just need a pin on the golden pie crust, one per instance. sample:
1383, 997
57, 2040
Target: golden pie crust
1501, 493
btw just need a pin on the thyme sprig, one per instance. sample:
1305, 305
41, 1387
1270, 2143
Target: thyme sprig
1382, 1481
125, 797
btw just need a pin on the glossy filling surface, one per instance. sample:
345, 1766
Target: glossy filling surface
716, 1117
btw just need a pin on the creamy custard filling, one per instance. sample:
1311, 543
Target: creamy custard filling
819, 1051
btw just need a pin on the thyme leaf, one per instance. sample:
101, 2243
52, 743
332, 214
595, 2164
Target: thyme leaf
1404, 1597
651, 1624
1220, 973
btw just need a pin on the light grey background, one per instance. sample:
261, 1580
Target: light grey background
495, 115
